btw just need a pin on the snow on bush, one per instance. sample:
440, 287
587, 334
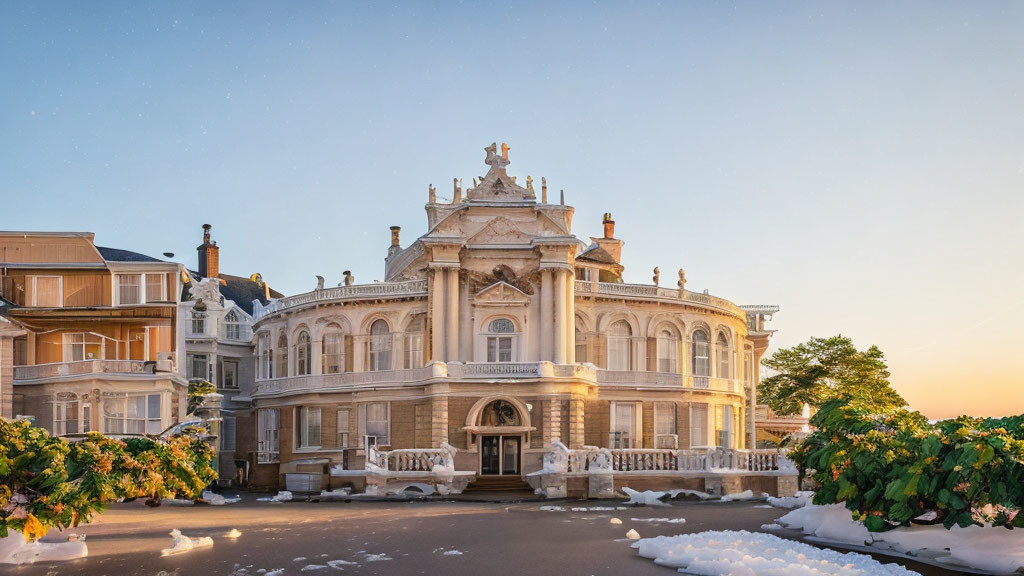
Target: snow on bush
991, 549
729, 553
645, 498
181, 543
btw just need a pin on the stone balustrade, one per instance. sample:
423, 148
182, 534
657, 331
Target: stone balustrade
60, 369
694, 460
650, 291
342, 293
428, 460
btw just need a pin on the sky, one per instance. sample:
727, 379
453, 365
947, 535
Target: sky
859, 164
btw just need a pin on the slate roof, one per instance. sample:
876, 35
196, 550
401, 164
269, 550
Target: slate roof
239, 289
595, 253
118, 255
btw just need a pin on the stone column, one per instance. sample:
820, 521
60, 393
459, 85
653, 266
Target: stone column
547, 320
437, 315
438, 421
576, 429
570, 317
316, 348
452, 325
559, 356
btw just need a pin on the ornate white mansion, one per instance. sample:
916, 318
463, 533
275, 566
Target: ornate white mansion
497, 338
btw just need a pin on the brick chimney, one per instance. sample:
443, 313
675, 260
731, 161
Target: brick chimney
209, 256
609, 225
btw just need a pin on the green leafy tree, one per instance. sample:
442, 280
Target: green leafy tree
825, 368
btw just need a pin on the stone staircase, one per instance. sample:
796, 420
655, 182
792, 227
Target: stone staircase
497, 484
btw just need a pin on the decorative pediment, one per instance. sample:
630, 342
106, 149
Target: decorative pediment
501, 294
497, 185
500, 230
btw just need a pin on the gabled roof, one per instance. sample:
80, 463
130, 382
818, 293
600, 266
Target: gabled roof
594, 253
118, 255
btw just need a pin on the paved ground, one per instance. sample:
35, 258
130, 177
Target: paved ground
493, 538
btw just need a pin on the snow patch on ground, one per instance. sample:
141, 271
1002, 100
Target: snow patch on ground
181, 543
727, 553
233, 533
772, 526
990, 549
633, 534
645, 498
311, 567
340, 564
792, 502
452, 553
745, 495
282, 496
615, 521
376, 557
553, 508
177, 502
700, 495
661, 520
214, 499
14, 550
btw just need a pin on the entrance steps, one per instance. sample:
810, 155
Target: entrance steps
498, 484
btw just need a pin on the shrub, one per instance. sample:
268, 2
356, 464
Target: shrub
890, 469
49, 482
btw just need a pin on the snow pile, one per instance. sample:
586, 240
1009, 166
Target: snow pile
233, 533
177, 502
994, 550
724, 553
700, 495
182, 543
218, 500
615, 521
661, 520
376, 557
594, 509
772, 526
452, 553
633, 534
336, 493
340, 564
282, 496
14, 550
745, 495
311, 567
552, 508
792, 502
645, 498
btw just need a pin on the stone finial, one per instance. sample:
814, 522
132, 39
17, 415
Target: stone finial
348, 279
456, 190
504, 150
657, 275
682, 282
562, 197
319, 282
543, 190
529, 184
395, 238
475, 183
432, 194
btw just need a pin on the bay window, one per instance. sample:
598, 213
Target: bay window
132, 414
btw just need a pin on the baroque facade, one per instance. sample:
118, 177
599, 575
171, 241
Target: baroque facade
500, 333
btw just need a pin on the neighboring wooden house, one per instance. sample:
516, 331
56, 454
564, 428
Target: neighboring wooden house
98, 350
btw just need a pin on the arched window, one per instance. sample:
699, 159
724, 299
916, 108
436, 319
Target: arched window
500, 340
232, 326
701, 361
724, 356
282, 355
619, 346
266, 355
302, 354
333, 350
380, 346
414, 343
668, 344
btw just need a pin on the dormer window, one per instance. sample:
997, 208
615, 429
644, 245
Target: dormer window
232, 326
500, 340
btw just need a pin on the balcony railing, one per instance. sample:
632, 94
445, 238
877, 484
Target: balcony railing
59, 369
356, 291
412, 459
695, 460
650, 291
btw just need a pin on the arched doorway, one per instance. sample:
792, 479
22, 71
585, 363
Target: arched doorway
501, 426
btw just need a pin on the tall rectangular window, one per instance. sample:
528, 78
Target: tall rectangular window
723, 426
499, 349
65, 417
267, 449
266, 359
156, 288
229, 374
227, 431
374, 420
698, 424
198, 323
47, 291
129, 289
333, 353
665, 425
198, 366
343, 428
625, 425
308, 427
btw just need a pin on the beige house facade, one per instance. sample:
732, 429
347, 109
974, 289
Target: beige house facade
498, 334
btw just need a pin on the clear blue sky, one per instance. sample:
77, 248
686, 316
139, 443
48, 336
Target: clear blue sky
860, 164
